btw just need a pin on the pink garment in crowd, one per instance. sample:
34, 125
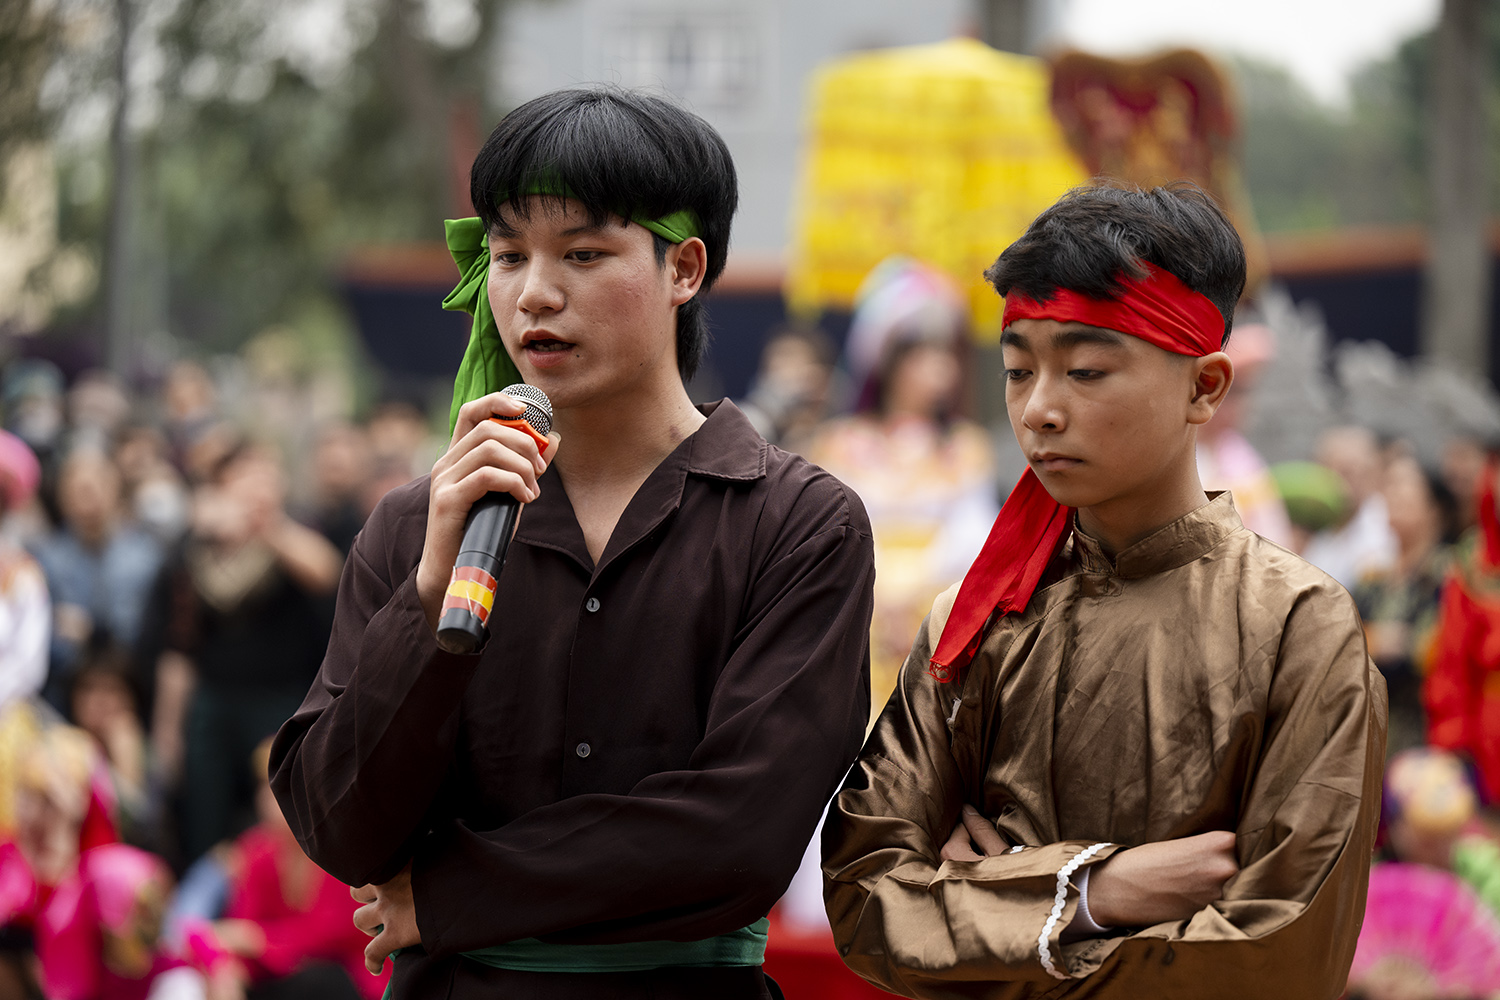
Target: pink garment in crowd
322, 929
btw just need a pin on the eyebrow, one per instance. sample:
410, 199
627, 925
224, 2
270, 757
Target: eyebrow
1067, 339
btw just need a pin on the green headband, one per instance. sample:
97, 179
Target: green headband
486, 368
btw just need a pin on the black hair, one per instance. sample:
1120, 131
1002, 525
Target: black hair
1445, 502
618, 152
1093, 236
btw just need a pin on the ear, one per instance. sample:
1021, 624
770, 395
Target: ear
687, 263
1213, 374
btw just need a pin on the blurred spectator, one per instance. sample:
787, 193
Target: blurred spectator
790, 394
97, 407
285, 927
926, 475
154, 491
189, 403
1399, 606
32, 392
1426, 932
1365, 542
104, 703
340, 469
246, 608
99, 566
25, 609
1460, 693
1314, 497
1463, 472
1226, 461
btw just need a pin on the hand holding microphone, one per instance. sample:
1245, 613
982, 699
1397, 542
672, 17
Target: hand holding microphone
499, 451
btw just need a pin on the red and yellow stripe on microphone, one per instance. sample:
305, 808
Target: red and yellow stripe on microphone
471, 589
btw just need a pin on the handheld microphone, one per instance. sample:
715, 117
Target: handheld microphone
491, 522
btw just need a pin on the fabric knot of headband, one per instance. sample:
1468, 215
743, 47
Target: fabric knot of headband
1159, 309
486, 368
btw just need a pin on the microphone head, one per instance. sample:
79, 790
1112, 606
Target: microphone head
538, 407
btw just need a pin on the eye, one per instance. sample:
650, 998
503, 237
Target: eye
508, 257
1015, 374
1085, 374
586, 256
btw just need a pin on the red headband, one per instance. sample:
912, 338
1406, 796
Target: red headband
1160, 310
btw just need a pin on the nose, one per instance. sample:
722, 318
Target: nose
540, 290
1044, 411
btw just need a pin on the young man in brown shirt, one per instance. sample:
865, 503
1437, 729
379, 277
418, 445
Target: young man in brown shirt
607, 798
1138, 752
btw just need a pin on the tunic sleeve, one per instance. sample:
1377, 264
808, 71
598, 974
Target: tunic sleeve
358, 765
702, 851
1287, 926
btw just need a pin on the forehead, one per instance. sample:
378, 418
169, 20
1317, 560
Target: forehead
547, 215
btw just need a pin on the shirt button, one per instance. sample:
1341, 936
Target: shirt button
583, 750
593, 605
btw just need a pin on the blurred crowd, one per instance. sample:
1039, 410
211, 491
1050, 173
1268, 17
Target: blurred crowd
166, 591
166, 588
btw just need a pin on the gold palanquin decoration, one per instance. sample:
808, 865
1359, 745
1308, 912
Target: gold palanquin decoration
940, 152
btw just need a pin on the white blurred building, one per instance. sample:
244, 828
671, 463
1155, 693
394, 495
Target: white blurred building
743, 66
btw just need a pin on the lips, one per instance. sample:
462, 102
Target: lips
1049, 462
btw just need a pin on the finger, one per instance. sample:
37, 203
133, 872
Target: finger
983, 833
496, 404
488, 468
958, 847
368, 919
362, 893
492, 444
376, 952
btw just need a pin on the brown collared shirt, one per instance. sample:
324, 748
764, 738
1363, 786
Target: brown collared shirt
643, 747
1204, 679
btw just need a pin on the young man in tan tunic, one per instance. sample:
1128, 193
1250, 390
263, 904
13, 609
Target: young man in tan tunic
1137, 753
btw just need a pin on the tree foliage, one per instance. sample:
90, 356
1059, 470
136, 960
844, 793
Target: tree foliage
1309, 165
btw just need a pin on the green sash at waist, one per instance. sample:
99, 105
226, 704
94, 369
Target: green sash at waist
746, 946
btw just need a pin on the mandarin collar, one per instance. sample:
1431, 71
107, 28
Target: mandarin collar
1190, 537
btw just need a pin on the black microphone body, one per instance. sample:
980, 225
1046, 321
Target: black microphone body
470, 598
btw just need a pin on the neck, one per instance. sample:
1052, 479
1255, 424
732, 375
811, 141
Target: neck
1120, 522
624, 439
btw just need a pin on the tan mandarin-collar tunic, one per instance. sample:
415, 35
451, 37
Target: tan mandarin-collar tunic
1204, 680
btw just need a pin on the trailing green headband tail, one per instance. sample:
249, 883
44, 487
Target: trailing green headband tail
486, 368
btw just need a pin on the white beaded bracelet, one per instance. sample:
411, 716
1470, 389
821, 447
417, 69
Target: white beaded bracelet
1058, 902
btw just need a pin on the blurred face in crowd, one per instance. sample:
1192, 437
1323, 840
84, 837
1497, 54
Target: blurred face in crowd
923, 380
189, 392
1414, 513
341, 463
100, 699
246, 498
1354, 453
88, 491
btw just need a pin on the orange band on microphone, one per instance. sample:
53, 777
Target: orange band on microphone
521, 425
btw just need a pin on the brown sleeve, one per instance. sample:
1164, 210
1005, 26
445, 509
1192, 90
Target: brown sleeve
902, 917
358, 765
1286, 927
702, 851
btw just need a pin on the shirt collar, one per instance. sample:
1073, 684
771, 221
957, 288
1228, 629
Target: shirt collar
727, 445
1190, 537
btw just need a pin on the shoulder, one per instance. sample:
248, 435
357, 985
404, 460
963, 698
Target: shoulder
392, 538
805, 495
